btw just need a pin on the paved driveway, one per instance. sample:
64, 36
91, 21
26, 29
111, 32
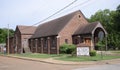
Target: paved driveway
102, 67
7, 63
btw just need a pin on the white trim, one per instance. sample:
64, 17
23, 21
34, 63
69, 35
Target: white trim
99, 25
58, 36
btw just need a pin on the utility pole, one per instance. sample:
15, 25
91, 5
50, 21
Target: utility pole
8, 40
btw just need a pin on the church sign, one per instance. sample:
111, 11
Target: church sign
83, 51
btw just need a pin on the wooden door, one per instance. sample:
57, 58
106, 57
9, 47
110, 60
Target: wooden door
88, 41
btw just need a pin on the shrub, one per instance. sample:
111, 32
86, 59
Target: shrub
63, 48
93, 53
71, 49
67, 48
100, 45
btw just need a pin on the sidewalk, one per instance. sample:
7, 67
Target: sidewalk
59, 62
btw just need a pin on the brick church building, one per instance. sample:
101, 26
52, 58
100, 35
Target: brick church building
19, 42
71, 29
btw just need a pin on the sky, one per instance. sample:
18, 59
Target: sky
29, 12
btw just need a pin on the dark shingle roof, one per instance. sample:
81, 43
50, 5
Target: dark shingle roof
53, 27
26, 29
86, 29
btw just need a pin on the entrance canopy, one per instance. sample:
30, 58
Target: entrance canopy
90, 34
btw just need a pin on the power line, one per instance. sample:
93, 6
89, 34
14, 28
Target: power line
81, 4
87, 1
52, 14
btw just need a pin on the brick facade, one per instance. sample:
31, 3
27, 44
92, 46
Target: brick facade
47, 37
72, 29
19, 43
77, 21
11, 45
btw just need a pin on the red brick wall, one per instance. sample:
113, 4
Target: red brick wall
67, 32
18, 40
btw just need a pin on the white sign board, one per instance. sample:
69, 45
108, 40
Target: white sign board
82, 51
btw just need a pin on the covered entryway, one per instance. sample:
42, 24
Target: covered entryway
99, 34
90, 34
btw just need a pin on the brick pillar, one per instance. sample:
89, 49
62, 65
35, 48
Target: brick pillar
78, 39
31, 41
48, 45
36, 40
58, 44
92, 43
41, 45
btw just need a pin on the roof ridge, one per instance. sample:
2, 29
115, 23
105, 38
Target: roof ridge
26, 26
53, 27
61, 17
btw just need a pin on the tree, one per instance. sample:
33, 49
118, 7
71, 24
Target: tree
111, 22
116, 19
3, 34
104, 17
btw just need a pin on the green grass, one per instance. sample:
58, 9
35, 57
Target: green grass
87, 58
0, 53
36, 55
66, 57
116, 52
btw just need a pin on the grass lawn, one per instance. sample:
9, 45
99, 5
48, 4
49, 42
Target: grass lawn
66, 57
87, 58
36, 55
0, 53
116, 51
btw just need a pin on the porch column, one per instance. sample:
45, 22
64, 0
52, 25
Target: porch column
92, 42
22, 45
31, 41
58, 44
48, 45
41, 45
16, 43
78, 39
36, 44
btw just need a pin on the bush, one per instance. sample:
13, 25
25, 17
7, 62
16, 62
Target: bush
63, 48
71, 49
93, 53
67, 48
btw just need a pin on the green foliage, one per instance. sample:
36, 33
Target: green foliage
104, 17
63, 48
116, 19
3, 34
93, 53
67, 49
111, 22
66, 57
101, 45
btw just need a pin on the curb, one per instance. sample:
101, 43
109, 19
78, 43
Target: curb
64, 62
29, 59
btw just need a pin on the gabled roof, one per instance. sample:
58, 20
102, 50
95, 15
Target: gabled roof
53, 27
86, 29
26, 29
